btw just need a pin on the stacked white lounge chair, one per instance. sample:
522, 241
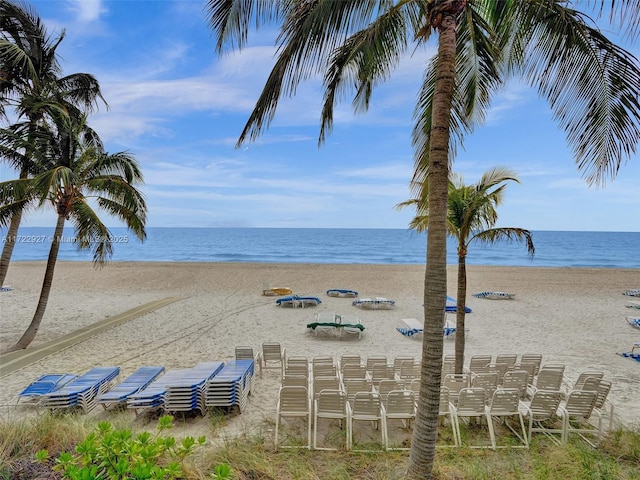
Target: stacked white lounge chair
82, 391
230, 386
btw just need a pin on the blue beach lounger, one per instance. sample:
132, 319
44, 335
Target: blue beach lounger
45, 384
132, 384
82, 391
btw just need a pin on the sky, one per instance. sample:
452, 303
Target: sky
179, 107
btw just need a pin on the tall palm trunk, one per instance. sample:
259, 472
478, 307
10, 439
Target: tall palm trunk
460, 315
34, 326
9, 243
435, 281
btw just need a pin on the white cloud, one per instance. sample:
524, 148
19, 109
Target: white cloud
87, 10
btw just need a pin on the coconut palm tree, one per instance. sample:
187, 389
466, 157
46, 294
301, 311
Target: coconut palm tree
82, 177
31, 83
471, 218
591, 84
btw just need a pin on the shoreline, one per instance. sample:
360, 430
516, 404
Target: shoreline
571, 315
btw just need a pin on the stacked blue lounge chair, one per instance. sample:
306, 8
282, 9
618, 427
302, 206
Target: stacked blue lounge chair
82, 391
154, 395
189, 393
135, 382
45, 384
231, 386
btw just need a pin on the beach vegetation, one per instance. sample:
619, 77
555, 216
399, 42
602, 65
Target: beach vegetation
252, 455
81, 181
591, 85
33, 87
471, 218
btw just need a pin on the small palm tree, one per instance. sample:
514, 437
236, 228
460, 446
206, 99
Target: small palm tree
32, 84
82, 175
471, 217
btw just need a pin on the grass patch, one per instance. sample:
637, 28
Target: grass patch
253, 456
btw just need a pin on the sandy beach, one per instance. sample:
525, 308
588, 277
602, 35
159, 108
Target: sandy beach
570, 316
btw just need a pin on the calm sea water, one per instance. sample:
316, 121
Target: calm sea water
378, 246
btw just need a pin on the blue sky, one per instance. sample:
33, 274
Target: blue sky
179, 108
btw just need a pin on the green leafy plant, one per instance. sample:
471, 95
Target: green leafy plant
221, 471
120, 455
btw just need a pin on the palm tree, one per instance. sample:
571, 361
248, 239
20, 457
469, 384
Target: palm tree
82, 175
471, 218
32, 84
592, 86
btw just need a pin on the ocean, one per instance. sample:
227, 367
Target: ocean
344, 246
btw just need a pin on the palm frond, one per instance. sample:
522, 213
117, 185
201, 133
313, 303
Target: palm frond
591, 84
91, 233
506, 234
365, 59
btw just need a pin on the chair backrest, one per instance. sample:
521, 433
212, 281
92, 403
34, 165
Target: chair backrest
516, 379
400, 403
322, 360
471, 401
478, 363
409, 370
414, 386
544, 404
272, 351
296, 369
604, 387
332, 402
448, 367
580, 403
534, 358
449, 358
444, 401
291, 380
400, 359
582, 378
298, 360
374, 360
488, 381
356, 385
530, 368
244, 353
325, 383
353, 370
382, 372
386, 386
549, 379
508, 358
455, 382
499, 368
366, 405
350, 359
293, 399
324, 370
505, 401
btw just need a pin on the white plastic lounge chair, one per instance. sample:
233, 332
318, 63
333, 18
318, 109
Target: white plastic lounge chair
333, 405
409, 370
244, 353
443, 412
508, 358
518, 379
353, 371
576, 412
478, 363
368, 407
271, 352
293, 380
386, 386
455, 383
350, 358
547, 379
298, 301
135, 382
382, 372
399, 405
632, 293
541, 411
505, 403
374, 360
471, 404
357, 385
293, 402
488, 381
534, 358
377, 303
